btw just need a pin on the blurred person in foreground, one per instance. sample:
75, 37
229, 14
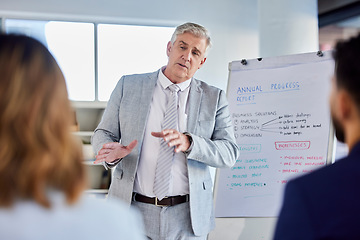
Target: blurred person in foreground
325, 203
42, 176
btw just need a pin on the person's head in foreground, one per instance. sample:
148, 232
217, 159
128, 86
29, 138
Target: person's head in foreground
37, 150
345, 95
42, 176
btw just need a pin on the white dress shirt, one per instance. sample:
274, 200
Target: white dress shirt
145, 176
90, 219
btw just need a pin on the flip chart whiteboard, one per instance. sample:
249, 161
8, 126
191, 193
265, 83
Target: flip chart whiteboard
281, 118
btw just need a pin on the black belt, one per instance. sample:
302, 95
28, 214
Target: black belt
165, 202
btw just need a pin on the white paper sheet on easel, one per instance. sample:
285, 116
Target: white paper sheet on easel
281, 118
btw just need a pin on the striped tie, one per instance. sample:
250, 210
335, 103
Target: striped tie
166, 153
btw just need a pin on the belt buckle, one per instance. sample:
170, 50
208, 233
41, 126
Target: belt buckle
159, 205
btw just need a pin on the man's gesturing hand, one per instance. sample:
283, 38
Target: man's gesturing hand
174, 138
114, 150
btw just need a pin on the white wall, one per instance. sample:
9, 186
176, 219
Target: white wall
287, 27
232, 23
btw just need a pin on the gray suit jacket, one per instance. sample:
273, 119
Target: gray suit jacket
209, 124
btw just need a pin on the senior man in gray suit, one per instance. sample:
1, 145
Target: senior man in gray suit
161, 131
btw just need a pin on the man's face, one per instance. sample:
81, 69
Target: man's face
186, 56
339, 129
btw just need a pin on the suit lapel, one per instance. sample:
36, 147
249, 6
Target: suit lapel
137, 117
195, 95
147, 90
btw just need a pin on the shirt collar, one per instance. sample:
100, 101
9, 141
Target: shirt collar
165, 82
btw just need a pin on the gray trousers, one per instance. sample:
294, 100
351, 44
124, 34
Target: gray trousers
167, 223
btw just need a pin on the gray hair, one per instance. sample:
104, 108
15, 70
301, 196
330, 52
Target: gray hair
195, 29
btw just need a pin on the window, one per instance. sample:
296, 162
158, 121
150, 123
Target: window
125, 49
72, 45
337, 21
121, 49
330, 34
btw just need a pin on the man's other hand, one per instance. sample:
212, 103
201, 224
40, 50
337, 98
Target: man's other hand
113, 151
174, 138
